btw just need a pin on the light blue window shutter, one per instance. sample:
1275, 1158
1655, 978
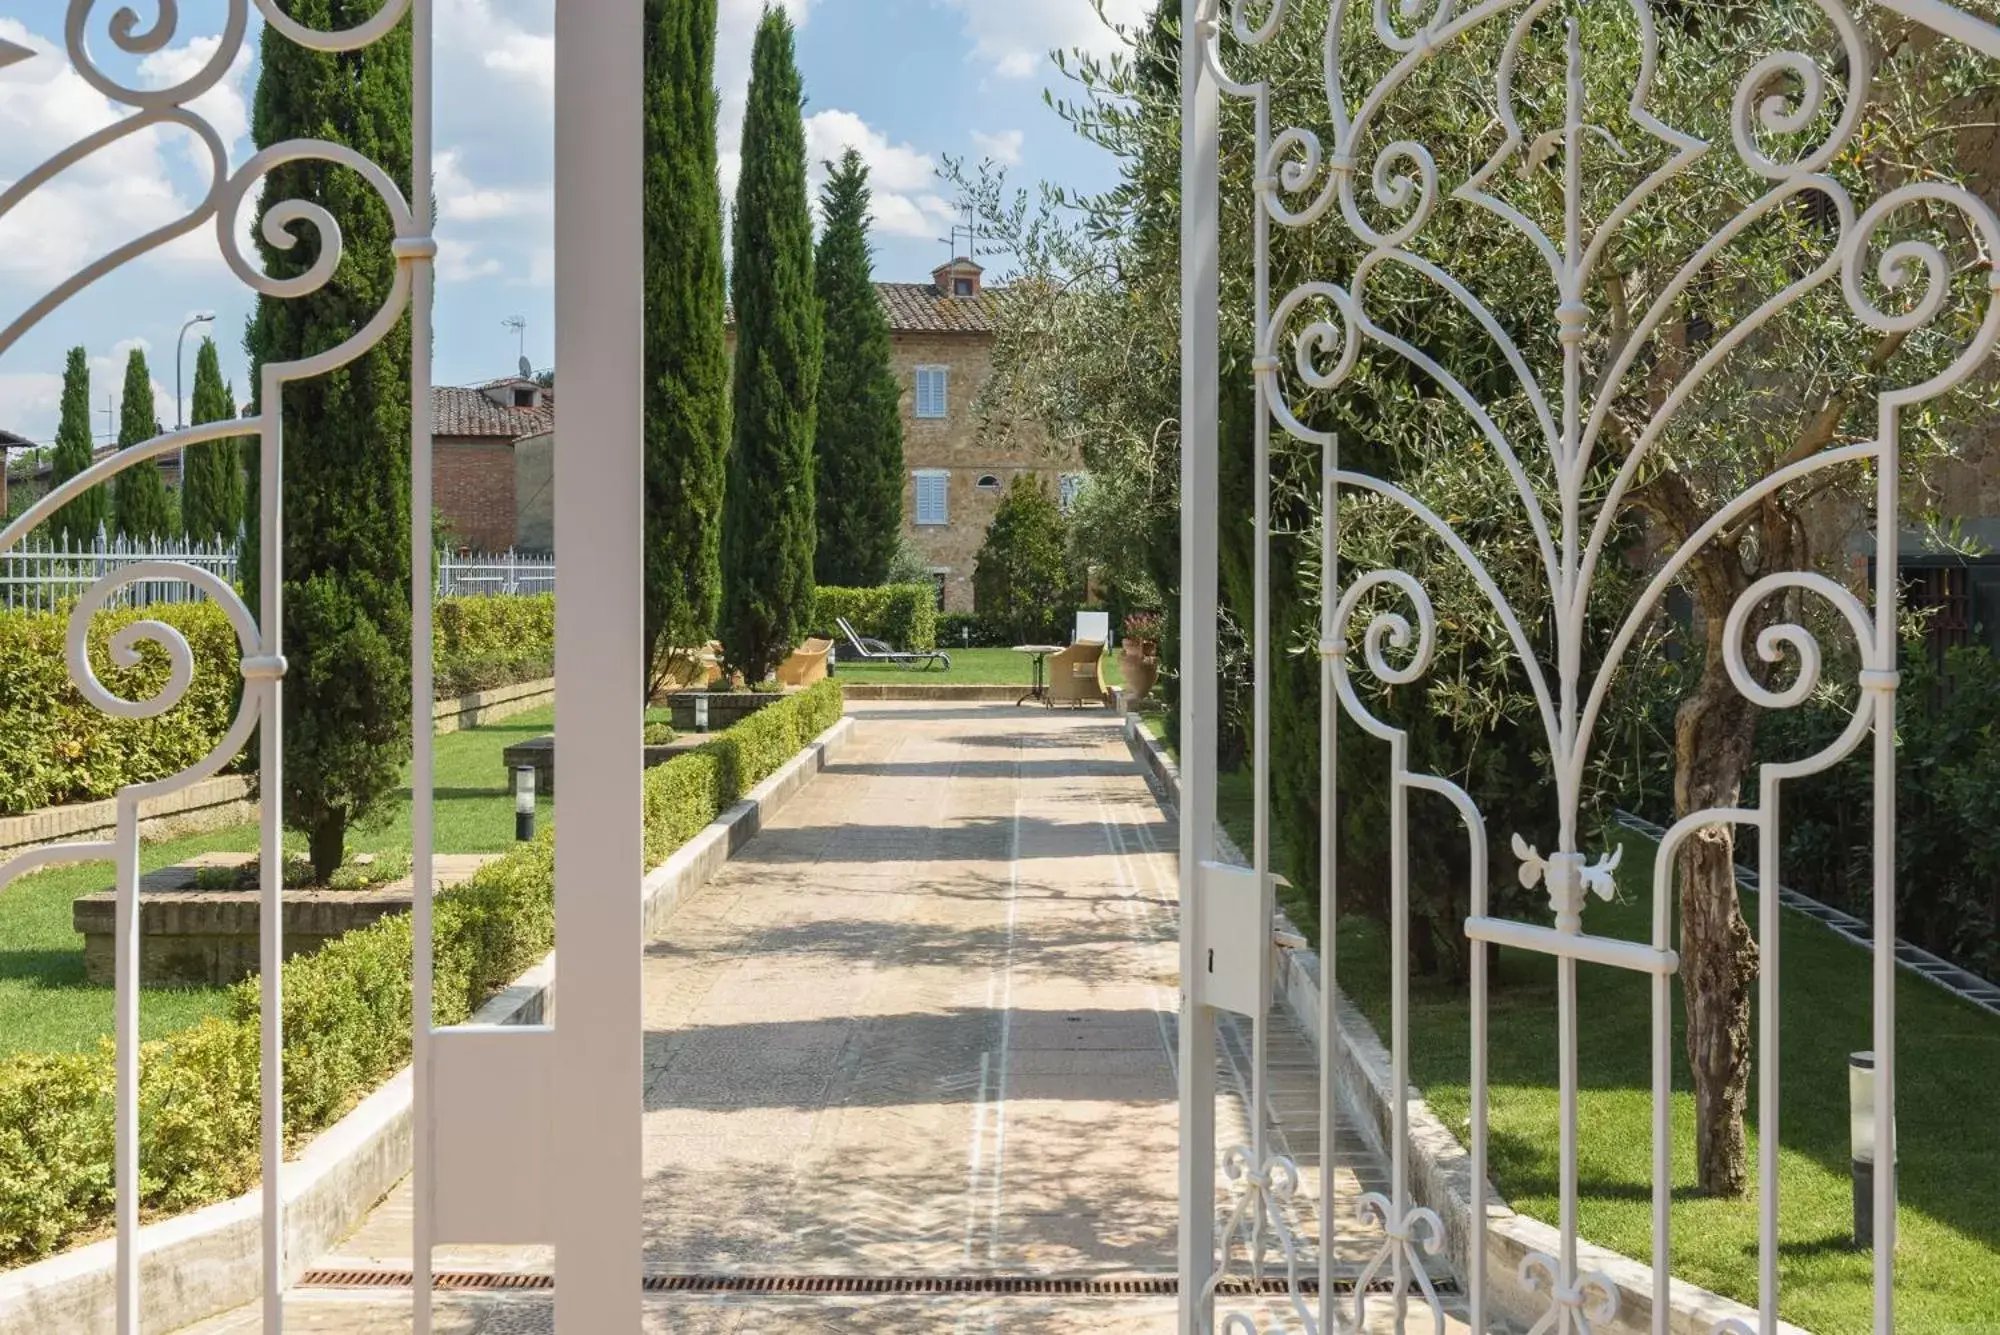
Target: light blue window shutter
931, 497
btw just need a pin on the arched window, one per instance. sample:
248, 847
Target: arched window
988, 482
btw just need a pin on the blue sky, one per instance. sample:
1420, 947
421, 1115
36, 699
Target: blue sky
907, 82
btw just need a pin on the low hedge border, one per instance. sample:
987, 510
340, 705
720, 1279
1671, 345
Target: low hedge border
56, 749
905, 615
347, 1019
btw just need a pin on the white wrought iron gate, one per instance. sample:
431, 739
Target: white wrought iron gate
1346, 173
522, 1134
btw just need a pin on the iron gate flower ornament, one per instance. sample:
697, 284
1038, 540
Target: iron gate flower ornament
1791, 115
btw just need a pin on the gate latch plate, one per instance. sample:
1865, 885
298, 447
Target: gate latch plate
1233, 954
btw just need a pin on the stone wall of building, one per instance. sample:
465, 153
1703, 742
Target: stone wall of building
969, 450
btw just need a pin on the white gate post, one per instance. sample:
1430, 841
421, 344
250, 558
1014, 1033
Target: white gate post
1201, 293
600, 250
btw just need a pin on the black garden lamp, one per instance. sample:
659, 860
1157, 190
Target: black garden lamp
524, 802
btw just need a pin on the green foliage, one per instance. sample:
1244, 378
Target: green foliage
480, 642
347, 1019
905, 615
907, 564
969, 630
687, 360
768, 519
1022, 580
139, 494
55, 747
212, 493
858, 485
1947, 786
347, 479
79, 522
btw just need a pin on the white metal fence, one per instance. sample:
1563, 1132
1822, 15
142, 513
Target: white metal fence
43, 577
504, 572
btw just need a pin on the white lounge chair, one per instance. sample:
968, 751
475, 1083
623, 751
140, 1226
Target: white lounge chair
875, 651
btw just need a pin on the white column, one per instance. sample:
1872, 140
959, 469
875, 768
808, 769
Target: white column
599, 313
1200, 409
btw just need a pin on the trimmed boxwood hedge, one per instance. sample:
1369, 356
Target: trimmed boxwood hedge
347, 1019
905, 615
55, 748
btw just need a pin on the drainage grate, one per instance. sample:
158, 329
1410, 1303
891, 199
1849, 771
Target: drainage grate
994, 1286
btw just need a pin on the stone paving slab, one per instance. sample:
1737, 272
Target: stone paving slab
923, 1024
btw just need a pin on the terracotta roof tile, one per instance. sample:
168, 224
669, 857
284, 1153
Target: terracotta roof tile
921, 308
461, 413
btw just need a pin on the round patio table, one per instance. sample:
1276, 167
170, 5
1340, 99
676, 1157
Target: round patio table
1040, 689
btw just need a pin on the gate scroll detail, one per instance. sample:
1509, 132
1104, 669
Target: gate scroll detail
286, 224
1544, 416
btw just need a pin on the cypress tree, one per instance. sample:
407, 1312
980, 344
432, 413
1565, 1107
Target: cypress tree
347, 433
768, 519
79, 522
212, 493
139, 494
858, 454
687, 359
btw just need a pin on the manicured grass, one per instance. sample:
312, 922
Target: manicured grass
969, 667
1948, 1070
46, 1006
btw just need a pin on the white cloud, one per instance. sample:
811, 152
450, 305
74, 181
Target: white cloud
107, 375
1004, 148
1015, 36
460, 262
898, 174
459, 199
30, 403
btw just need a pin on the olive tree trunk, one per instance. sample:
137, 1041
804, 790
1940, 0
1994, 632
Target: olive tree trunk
1713, 736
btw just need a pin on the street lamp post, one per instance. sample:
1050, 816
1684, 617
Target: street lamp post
180, 412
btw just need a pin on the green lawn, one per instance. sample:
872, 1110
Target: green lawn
1948, 1070
46, 1006
969, 667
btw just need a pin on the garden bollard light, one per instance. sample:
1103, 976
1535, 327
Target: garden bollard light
524, 802
701, 713
1861, 1145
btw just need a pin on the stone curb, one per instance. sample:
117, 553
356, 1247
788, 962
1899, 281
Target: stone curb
482, 707
1440, 1167
917, 690
208, 1261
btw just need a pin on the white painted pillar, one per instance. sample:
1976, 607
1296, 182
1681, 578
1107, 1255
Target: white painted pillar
1200, 410
597, 1099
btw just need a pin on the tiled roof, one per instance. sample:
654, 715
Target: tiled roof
921, 308
460, 412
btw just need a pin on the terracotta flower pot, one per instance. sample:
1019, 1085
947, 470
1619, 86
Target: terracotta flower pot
1141, 667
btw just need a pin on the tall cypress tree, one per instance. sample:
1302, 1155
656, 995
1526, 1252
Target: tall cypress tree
347, 462
687, 359
139, 494
768, 519
212, 492
858, 476
79, 522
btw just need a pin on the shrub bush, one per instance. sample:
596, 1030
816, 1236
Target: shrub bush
55, 747
483, 641
905, 615
970, 630
347, 1019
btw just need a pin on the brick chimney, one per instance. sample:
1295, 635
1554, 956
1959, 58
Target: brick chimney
960, 278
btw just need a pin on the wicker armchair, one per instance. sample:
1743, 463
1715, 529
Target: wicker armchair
1076, 675
807, 664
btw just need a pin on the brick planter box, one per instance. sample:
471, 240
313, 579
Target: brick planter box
541, 753
209, 938
725, 709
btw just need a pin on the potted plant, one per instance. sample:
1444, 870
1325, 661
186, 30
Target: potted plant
1139, 652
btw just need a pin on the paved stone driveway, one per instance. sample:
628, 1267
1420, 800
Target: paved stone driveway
922, 1025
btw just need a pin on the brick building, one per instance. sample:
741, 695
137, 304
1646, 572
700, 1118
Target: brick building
492, 462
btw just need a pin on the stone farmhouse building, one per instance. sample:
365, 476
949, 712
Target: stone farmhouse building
493, 462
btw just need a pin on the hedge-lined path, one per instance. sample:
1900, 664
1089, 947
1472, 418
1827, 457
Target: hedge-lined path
921, 1025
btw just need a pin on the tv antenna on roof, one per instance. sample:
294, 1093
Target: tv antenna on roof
519, 324
970, 231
